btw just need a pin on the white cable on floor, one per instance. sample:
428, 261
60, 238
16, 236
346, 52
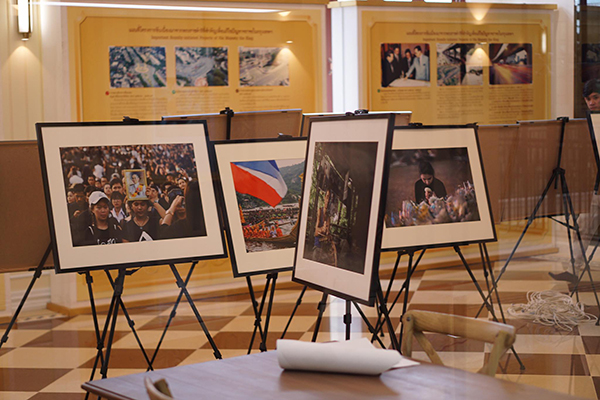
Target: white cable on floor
552, 308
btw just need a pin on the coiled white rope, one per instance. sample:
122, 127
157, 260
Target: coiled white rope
552, 308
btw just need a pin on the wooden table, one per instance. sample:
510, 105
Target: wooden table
258, 376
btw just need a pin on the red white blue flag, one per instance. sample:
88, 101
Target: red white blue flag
260, 179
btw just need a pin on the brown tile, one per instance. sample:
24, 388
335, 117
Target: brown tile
241, 340
28, 379
283, 309
58, 396
187, 323
524, 275
508, 298
544, 364
153, 309
596, 380
70, 339
442, 342
448, 285
394, 293
524, 327
336, 324
456, 309
133, 358
5, 350
591, 344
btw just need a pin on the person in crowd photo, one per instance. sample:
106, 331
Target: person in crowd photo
103, 229
117, 212
427, 180
178, 221
143, 225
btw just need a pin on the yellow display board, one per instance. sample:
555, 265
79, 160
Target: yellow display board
147, 64
477, 64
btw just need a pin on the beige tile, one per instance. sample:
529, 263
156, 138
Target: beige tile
19, 337
526, 286
446, 297
458, 274
589, 329
71, 382
580, 386
462, 360
173, 340
593, 364
547, 344
16, 395
204, 355
27, 357
276, 324
86, 323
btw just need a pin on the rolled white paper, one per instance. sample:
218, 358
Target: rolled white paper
349, 357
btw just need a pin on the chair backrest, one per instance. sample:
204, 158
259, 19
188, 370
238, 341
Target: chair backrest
154, 392
416, 322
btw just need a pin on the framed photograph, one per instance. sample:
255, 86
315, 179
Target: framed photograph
341, 214
135, 181
129, 195
261, 182
594, 127
437, 194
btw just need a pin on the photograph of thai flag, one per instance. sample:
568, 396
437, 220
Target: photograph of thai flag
261, 179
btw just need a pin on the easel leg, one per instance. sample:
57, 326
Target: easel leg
348, 319
298, 302
258, 315
118, 291
173, 313
263, 345
368, 323
389, 288
36, 275
395, 344
321, 308
489, 306
187, 295
130, 322
99, 345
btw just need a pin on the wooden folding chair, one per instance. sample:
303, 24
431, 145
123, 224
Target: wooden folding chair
158, 390
416, 322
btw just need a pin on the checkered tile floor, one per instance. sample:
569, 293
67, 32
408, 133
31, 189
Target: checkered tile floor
50, 358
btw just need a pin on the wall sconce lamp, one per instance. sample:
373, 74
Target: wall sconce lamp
24, 18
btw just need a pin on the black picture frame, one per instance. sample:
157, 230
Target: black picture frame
340, 140
436, 137
72, 257
243, 261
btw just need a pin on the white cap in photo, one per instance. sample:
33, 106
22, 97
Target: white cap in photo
96, 196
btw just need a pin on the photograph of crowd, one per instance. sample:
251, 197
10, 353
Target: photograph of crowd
340, 204
404, 64
268, 195
430, 186
201, 66
459, 64
137, 67
131, 193
264, 66
512, 63
590, 61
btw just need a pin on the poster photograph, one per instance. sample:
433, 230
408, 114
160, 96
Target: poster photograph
261, 182
264, 66
340, 221
436, 190
458, 64
590, 61
512, 63
129, 195
137, 67
405, 64
201, 66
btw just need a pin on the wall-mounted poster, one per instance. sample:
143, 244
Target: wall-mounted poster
147, 64
341, 213
129, 195
437, 193
261, 181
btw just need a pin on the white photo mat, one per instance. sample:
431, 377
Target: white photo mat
261, 261
73, 258
595, 132
346, 282
449, 233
